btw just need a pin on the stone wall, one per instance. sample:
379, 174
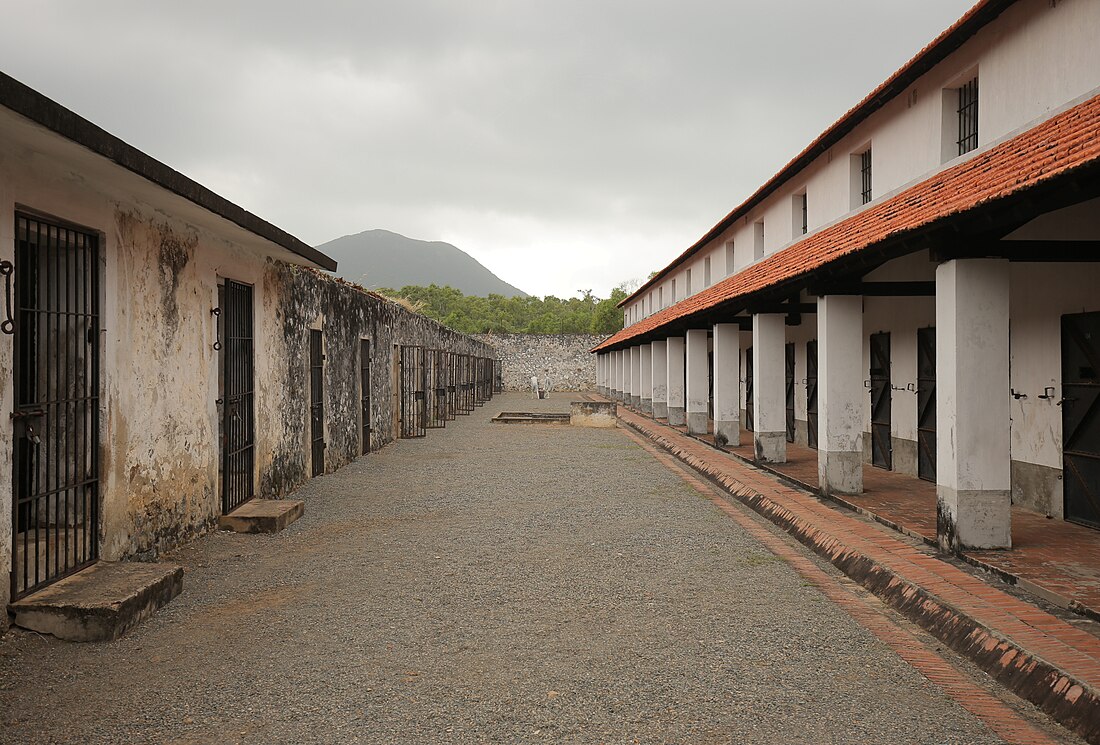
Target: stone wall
563, 359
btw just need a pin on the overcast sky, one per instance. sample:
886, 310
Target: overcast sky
564, 144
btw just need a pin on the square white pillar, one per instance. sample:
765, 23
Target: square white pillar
769, 336
973, 460
659, 371
675, 357
617, 369
697, 392
646, 386
727, 384
841, 397
635, 377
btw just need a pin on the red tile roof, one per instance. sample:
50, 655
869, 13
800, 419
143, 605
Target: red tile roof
944, 44
1063, 143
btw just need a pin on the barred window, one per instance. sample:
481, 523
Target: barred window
865, 175
968, 116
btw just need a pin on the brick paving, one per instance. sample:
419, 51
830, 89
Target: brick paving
1052, 558
1015, 638
998, 716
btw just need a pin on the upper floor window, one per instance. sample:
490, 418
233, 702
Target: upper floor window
729, 258
968, 116
687, 283
661, 297
758, 240
706, 272
861, 178
799, 224
865, 176
674, 291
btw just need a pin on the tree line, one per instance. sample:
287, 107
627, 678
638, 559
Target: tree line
498, 314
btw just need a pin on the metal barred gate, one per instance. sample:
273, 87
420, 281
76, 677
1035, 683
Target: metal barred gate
238, 422
55, 468
364, 395
413, 392
436, 389
317, 401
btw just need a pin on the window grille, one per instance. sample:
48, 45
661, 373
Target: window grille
865, 176
968, 117
805, 222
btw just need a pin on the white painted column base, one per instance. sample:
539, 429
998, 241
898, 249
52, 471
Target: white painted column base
659, 372
973, 423
841, 397
646, 377
677, 411
769, 338
727, 384
697, 376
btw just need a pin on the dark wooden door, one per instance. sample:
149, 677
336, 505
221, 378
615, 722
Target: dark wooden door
926, 404
788, 387
1081, 418
881, 394
317, 402
811, 393
749, 424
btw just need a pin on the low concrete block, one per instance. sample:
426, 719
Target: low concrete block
100, 603
592, 414
262, 516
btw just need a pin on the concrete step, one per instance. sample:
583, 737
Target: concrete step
99, 603
262, 516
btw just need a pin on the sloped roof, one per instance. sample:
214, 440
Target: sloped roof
47, 113
943, 45
1063, 143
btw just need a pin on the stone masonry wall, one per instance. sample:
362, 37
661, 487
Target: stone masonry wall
563, 359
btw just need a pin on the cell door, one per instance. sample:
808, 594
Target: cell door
413, 392
788, 383
436, 389
749, 423
881, 393
317, 401
55, 421
1081, 418
238, 382
364, 395
926, 404
811, 393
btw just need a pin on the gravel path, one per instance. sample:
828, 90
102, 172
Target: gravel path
490, 583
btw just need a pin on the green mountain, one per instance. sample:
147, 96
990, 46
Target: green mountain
379, 258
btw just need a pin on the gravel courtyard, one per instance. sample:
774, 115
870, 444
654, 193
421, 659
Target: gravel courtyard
490, 583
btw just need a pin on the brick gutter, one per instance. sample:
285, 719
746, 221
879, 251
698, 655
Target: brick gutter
1070, 697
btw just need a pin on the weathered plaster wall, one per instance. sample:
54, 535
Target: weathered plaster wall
300, 300
564, 359
161, 261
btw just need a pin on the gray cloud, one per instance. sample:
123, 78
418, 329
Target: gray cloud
601, 138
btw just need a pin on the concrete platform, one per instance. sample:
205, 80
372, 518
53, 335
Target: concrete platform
100, 603
529, 417
262, 516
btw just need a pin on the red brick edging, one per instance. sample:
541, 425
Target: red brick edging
1072, 702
